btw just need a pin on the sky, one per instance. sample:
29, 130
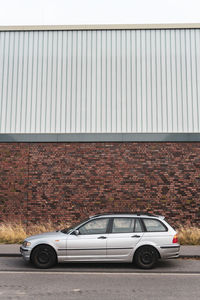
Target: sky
73, 12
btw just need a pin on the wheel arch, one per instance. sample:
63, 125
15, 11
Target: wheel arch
144, 245
43, 244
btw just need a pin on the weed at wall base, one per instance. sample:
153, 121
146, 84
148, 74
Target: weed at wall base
14, 233
189, 235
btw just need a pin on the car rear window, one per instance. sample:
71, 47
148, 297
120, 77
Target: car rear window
123, 225
126, 225
138, 227
153, 225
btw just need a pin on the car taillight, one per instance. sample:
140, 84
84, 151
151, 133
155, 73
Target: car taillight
175, 239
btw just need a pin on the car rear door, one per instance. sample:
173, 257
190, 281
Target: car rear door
124, 235
156, 232
90, 244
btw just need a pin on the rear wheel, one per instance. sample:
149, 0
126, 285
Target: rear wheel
146, 257
44, 257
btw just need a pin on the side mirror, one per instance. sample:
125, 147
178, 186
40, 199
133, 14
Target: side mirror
76, 232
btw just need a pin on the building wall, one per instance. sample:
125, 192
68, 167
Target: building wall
69, 181
100, 81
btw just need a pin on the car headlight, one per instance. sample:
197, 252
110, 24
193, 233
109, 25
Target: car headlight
26, 244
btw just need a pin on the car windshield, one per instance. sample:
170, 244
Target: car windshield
71, 228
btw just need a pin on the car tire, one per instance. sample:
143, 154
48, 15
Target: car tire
44, 257
146, 257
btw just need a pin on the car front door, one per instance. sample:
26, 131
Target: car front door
125, 234
90, 243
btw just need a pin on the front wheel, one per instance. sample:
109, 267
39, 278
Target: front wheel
44, 257
146, 257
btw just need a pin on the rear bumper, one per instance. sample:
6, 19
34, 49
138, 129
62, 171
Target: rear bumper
169, 251
26, 253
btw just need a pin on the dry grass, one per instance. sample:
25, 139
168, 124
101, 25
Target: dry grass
12, 233
189, 235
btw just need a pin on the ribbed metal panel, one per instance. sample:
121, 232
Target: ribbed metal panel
100, 81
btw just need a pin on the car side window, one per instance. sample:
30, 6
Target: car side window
153, 225
97, 226
123, 225
138, 227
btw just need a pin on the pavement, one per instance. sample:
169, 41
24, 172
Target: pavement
12, 250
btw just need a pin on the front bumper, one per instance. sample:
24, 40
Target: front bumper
26, 253
169, 251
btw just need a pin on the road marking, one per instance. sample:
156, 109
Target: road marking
99, 273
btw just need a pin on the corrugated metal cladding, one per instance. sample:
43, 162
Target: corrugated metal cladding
100, 81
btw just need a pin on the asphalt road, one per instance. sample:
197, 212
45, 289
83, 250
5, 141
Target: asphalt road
99, 286
167, 266
172, 279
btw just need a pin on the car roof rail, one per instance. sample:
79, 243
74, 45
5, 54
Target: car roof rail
145, 214
150, 215
126, 213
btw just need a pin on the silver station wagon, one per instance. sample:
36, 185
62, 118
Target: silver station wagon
136, 238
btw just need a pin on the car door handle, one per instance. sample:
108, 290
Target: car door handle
102, 237
135, 236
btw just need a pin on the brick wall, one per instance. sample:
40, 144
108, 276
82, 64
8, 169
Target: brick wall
69, 181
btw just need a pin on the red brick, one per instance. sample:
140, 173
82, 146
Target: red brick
69, 181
